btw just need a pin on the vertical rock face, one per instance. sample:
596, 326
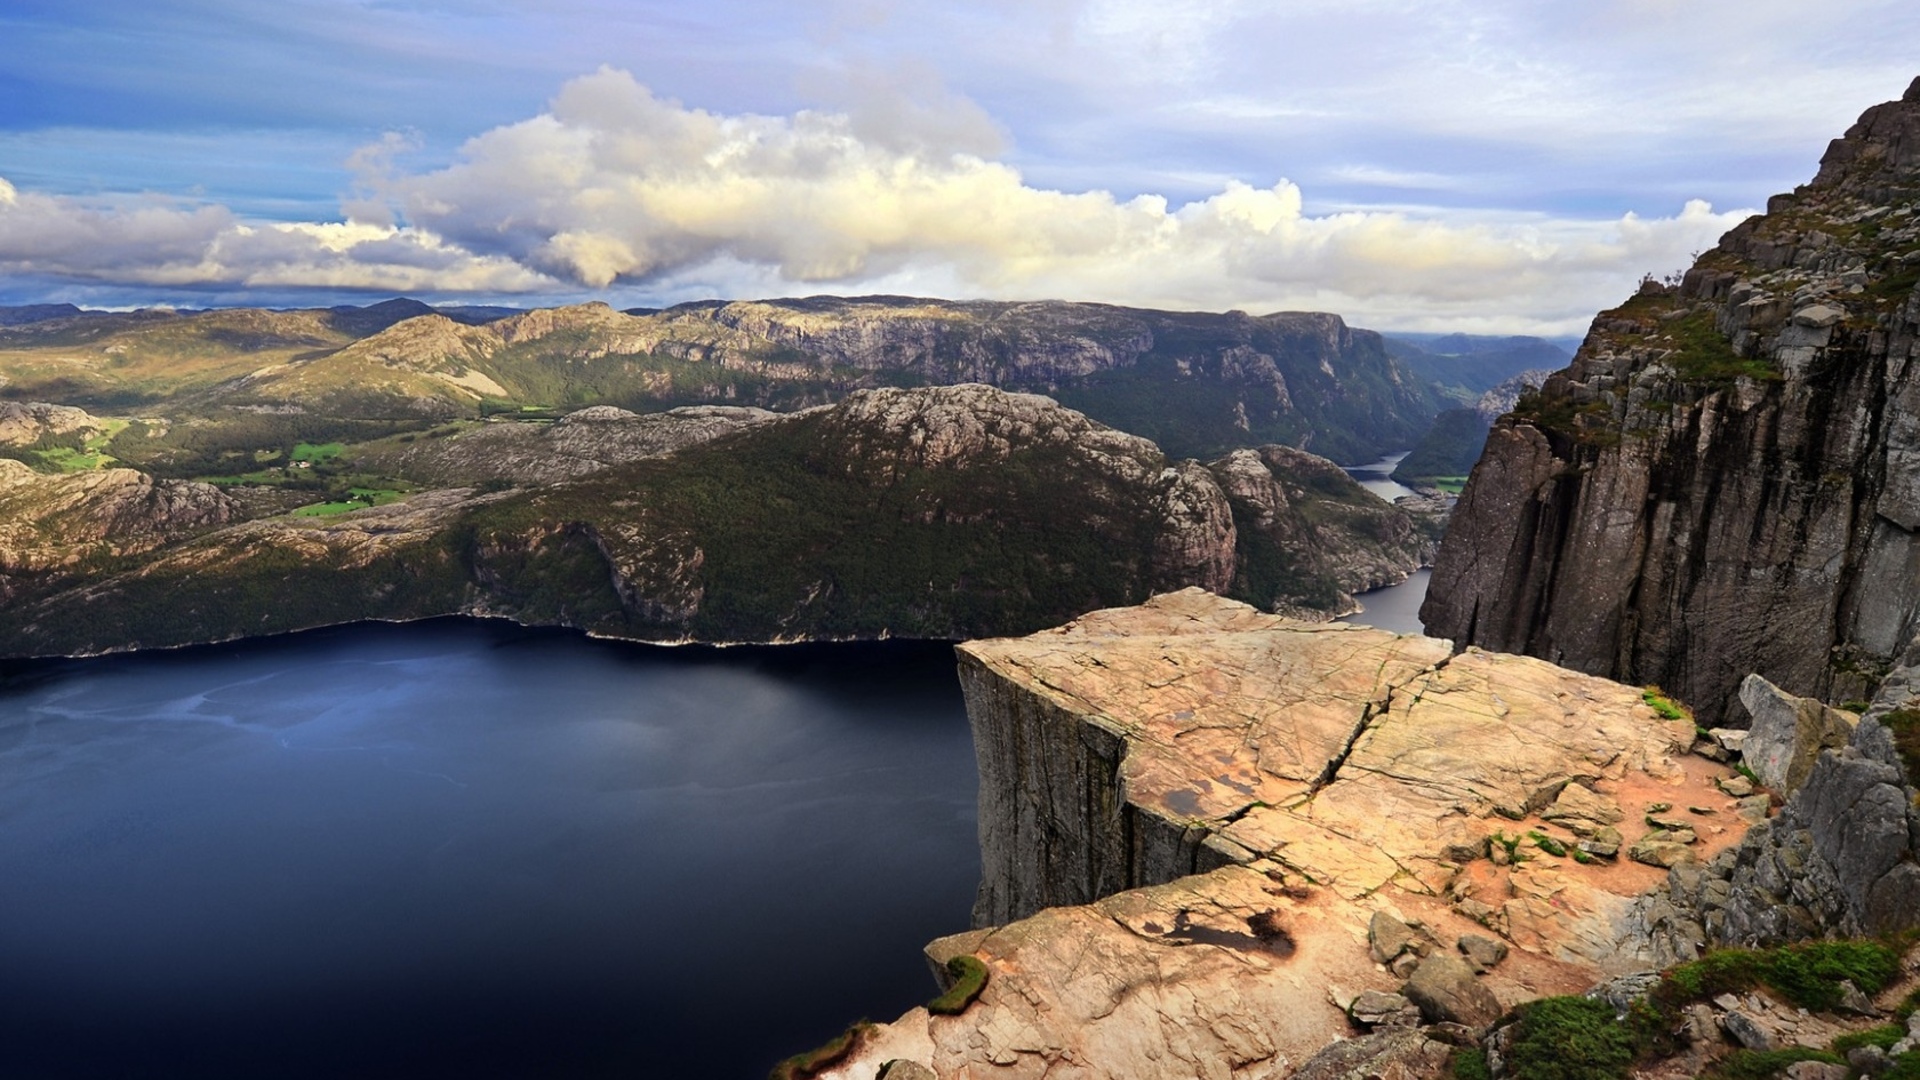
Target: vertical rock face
1727, 478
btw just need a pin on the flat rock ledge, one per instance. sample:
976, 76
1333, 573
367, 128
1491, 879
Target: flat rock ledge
1191, 814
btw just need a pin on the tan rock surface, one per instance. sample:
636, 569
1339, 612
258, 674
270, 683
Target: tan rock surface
1346, 770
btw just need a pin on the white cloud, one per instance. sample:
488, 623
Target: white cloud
163, 244
614, 186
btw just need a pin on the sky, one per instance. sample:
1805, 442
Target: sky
1493, 167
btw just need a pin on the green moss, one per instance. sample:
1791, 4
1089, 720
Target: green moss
1883, 1037
1469, 1063
1547, 844
1571, 1038
1668, 708
1905, 726
823, 1057
969, 976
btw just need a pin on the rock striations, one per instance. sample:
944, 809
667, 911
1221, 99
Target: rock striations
1726, 480
1215, 840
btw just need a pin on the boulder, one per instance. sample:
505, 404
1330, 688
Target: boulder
1660, 848
1788, 733
1447, 992
1746, 1031
1377, 1008
1388, 937
1406, 1054
1483, 953
1582, 811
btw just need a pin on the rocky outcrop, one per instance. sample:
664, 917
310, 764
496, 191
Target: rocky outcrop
1722, 483
55, 527
1843, 855
1787, 734
943, 512
1256, 828
25, 423
579, 444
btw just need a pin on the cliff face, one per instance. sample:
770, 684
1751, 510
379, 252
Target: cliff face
1726, 480
1241, 821
945, 512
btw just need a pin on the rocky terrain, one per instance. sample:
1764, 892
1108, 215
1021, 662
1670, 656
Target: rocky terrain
1217, 841
1198, 384
1724, 480
941, 512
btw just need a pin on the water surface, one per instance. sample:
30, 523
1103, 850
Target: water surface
468, 849
1377, 476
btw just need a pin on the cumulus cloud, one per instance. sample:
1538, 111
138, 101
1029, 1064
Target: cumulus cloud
616, 189
614, 186
163, 244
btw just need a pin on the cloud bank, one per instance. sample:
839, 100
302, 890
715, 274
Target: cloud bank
614, 190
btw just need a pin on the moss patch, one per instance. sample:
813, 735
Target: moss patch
823, 1057
1905, 726
969, 979
1807, 975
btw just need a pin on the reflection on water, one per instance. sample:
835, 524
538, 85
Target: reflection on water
1376, 477
467, 849
1396, 607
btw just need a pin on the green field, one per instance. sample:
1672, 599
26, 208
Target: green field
358, 499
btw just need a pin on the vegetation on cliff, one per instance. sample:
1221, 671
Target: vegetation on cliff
1726, 463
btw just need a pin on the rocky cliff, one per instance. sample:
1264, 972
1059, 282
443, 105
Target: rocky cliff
941, 512
55, 529
1726, 480
1216, 841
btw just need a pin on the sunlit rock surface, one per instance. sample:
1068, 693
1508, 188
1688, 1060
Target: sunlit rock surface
1220, 801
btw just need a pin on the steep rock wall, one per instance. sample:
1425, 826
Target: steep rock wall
1727, 478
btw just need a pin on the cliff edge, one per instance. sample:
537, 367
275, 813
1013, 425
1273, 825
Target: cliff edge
1726, 480
1258, 833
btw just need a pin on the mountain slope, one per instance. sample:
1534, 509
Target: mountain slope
941, 512
1199, 384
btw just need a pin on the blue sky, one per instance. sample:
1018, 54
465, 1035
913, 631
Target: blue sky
1474, 166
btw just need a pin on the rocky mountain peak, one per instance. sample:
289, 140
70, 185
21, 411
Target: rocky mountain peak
1885, 140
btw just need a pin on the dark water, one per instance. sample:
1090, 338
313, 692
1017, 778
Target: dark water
466, 849
1396, 607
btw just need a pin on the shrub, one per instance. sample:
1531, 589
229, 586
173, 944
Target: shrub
1469, 1064
1571, 1038
1766, 1064
1808, 975
969, 978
